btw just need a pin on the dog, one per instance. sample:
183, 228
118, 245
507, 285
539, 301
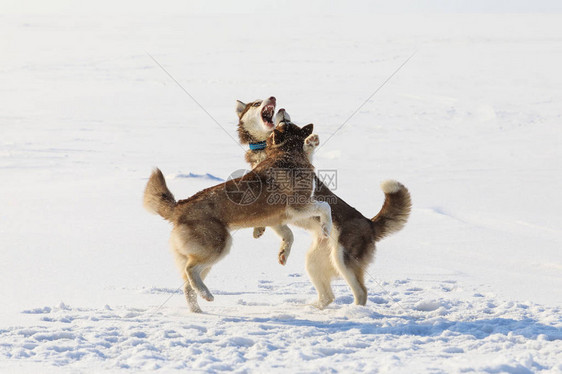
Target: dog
256, 122
202, 223
351, 246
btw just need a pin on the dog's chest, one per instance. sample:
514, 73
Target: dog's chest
255, 157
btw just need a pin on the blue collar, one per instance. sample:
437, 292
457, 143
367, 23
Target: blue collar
258, 146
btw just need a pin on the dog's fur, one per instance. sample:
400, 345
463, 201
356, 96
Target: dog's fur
256, 122
200, 236
351, 246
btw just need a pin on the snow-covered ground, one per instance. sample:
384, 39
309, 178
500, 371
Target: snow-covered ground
471, 125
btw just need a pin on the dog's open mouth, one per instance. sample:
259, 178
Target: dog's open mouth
267, 115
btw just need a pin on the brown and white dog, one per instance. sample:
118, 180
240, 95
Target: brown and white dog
351, 246
202, 223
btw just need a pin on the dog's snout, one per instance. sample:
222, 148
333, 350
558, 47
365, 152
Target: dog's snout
272, 98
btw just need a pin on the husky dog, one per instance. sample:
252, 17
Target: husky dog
351, 246
256, 121
202, 223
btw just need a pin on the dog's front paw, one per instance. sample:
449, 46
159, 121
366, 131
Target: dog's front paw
282, 258
258, 231
311, 142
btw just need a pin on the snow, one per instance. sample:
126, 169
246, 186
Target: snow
471, 125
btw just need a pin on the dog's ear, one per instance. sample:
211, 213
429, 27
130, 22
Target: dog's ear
278, 136
240, 106
307, 130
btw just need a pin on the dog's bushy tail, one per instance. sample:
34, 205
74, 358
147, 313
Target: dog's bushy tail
157, 197
395, 210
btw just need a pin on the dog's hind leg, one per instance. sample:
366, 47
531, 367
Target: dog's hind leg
188, 291
320, 270
190, 295
193, 271
353, 275
360, 276
202, 244
287, 238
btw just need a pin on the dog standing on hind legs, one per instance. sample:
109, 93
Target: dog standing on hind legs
202, 223
256, 121
351, 246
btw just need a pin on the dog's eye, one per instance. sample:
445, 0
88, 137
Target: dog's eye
257, 103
